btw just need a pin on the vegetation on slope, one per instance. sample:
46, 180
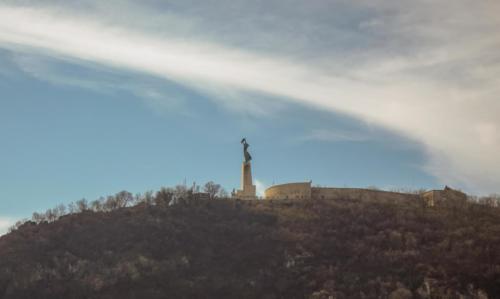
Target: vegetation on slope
258, 249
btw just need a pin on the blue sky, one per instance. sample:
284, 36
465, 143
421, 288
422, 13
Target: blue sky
100, 97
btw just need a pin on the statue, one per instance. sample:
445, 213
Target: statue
248, 189
246, 154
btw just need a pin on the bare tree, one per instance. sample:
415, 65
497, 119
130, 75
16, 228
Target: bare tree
38, 217
492, 200
51, 215
82, 205
148, 198
137, 199
212, 189
181, 191
60, 210
98, 204
111, 203
164, 196
124, 198
222, 193
72, 208
17, 225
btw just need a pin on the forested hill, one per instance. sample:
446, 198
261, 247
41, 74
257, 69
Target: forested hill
258, 249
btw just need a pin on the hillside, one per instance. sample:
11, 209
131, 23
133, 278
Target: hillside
258, 249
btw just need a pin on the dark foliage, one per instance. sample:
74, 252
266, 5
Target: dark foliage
258, 249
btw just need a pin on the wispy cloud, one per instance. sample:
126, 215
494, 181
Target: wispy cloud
427, 70
333, 135
102, 80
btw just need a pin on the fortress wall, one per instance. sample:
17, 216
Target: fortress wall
355, 193
289, 191
437, 197
305, 191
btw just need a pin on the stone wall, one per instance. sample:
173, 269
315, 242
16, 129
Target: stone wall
445, 196
289, 191
305, 191
356, 193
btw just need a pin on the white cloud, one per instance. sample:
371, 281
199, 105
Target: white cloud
427, 70
260, 186
5, 223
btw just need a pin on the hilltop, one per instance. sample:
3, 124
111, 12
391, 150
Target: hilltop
258, 249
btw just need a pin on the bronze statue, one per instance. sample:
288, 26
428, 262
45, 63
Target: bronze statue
246, 154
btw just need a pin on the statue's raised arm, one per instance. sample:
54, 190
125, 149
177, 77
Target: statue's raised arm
246, 154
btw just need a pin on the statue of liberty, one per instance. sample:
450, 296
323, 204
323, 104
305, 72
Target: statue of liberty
246, 154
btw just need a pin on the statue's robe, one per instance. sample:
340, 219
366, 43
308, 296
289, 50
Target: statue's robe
247, 157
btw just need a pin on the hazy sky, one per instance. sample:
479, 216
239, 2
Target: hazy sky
101, 96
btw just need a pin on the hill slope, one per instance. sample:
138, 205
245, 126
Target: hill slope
258, 249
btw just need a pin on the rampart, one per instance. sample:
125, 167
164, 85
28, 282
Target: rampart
356, 193
289, 191
447, 195
303, 190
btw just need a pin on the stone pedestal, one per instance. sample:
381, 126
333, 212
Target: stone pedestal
247, 190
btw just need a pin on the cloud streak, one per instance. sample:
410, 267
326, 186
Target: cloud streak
334, 135
407, 68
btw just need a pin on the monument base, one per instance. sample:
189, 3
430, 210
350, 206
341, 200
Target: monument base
248, 190
247, 194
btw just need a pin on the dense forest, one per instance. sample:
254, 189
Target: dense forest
222, 248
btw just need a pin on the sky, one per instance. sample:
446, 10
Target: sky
101, 96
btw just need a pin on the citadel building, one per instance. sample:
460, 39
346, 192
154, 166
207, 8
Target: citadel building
305, 190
